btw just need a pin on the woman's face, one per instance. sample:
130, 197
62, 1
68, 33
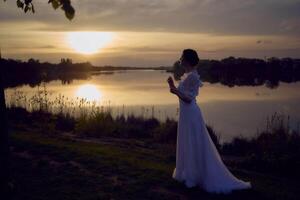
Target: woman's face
183, 63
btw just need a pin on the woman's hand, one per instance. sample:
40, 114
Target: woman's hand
171, 82
173, 90
172, 87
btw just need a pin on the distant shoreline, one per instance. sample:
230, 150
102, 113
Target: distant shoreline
230, 71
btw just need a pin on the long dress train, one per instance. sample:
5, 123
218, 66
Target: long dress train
197, 159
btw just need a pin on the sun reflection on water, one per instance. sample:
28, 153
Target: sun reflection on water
89, 92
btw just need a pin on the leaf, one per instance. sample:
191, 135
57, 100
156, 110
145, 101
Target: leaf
32, 8
27, 2
70, 16
69, 11
65, 5
55, 4
26, 8
20, 4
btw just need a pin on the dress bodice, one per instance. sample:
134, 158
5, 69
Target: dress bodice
190, 84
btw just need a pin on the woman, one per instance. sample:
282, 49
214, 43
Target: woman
197, 159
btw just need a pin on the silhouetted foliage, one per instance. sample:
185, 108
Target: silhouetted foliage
33, 72
65, 5
244, 71
274, 150
5, 187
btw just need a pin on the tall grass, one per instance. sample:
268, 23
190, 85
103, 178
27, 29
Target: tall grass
44, 101
87, 119
276, 148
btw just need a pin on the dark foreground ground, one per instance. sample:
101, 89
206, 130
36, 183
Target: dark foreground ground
69, 168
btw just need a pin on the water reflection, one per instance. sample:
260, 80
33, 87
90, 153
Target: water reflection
239, 110
89, 92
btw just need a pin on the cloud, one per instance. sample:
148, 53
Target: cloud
153, 32
230, 17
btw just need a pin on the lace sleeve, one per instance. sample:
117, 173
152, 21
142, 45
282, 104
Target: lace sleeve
191, 85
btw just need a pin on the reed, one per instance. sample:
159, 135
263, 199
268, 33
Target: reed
44, 101
88, 119
276, 148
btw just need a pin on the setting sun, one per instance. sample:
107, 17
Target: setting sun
89, 42
89, 92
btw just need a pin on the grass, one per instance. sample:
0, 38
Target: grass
61, 168
57, 165
99, 124
276, 149
44, 101
97, 156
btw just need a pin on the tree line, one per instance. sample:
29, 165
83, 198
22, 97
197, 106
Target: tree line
229, 71
33, 72
233, 71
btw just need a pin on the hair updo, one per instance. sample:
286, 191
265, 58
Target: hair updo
190, 56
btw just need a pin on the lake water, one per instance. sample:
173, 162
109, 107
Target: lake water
239, 110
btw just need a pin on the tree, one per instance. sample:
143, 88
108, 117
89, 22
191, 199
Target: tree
33, 61
65, 5
66, 61
26, 6
4, 145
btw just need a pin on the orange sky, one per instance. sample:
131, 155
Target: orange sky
153, 33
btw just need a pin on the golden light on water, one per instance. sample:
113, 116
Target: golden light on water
89, 42
89, 92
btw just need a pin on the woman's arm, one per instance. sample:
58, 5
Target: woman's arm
181, 95
175, 91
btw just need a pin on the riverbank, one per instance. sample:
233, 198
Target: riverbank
60, 164
61, 168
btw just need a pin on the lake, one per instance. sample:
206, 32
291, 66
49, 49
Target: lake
232, 111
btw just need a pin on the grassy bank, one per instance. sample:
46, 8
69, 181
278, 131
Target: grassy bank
276, 149
54, 157
47, 167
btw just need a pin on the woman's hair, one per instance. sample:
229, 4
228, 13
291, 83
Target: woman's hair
190, 56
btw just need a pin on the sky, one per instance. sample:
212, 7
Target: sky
153, 32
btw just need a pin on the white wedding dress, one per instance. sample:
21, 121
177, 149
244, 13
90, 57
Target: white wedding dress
198, 162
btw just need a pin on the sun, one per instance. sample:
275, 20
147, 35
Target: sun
89, 42
89, 92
